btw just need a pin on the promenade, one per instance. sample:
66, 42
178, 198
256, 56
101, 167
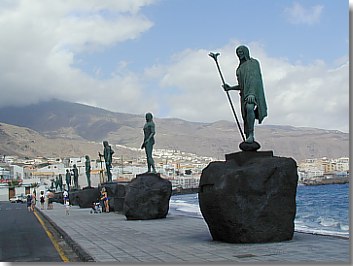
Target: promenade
109, 237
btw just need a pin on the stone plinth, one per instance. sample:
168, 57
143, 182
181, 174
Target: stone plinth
147, 197
249, 198
73, 196
116, 195
87, 196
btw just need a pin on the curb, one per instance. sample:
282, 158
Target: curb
83, 255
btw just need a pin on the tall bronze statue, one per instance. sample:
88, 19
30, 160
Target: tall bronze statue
108, 157
75, 175
68, 179
60, 182
148, 141
88, 170
251, 90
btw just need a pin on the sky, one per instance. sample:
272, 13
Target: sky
139, 56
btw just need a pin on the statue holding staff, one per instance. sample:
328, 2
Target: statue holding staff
251, 90
108, 157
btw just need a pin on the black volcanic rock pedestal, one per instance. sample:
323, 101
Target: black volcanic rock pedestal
147, 197
74, 196
250, 197
86, 196
116, 194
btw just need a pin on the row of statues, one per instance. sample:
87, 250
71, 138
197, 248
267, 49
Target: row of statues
107, 156
253, 106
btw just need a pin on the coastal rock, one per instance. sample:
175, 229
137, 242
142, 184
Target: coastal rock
147, 197
249, 198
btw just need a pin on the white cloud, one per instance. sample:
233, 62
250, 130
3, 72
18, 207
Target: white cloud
297, 14
314, 95
40, 39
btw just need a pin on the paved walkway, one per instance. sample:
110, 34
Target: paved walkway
109, 237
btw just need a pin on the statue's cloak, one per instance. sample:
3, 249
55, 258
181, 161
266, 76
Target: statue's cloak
250, 82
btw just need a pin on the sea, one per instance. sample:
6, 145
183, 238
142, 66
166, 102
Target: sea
321, 209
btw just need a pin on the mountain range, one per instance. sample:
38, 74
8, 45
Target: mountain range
60, 128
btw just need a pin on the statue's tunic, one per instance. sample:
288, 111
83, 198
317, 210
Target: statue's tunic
250, 82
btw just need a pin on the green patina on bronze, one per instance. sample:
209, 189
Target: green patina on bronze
88, 170
252, 96
149, 131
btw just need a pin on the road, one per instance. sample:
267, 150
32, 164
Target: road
23, 238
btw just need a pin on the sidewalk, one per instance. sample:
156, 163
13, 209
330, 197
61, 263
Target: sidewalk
109, 237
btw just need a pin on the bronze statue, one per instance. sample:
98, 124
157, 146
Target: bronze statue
56, 183
88, 170
75, 175
68, 179
148, 142
251, 90
108, 156
61, 182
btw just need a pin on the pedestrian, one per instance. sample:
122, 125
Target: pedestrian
29, 202
67, 207
33, 200
104, 198
42, 200
65, 196
50, 196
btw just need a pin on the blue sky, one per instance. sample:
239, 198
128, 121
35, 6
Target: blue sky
181, 24
137, 56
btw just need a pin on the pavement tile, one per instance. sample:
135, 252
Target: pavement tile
109, 237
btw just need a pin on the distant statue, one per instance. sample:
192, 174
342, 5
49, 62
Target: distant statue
56, 183
108, 157
75, 175
251, 90
68, 179
148, 141
60, 182
88, 170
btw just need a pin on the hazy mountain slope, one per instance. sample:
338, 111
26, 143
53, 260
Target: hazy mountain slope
71, 121
25, 142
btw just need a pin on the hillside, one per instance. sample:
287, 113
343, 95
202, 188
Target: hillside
68, 129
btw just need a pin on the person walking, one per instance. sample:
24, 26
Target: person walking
42, 200
65, 196
29, 202
33, 200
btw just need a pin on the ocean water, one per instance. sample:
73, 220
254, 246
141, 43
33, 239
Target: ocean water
321, 209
